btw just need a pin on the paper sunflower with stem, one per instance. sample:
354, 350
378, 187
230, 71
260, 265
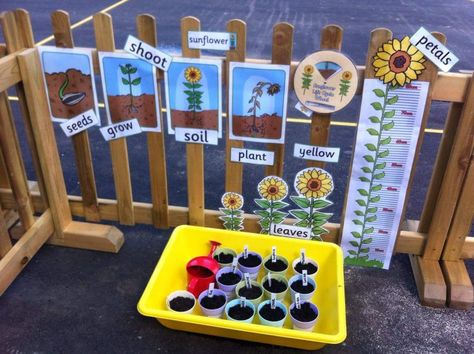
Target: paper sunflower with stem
313, 185
233, 215
272, 190
398, 62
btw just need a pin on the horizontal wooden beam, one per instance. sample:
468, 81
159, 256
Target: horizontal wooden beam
9, 72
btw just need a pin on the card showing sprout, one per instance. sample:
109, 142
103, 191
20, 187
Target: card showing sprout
257, 102
69, 81
194, 94
272, 191
313, 186
232, 209
130, 88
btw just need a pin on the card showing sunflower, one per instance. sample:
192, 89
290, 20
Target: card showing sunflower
232, 209
272, 190
313, 185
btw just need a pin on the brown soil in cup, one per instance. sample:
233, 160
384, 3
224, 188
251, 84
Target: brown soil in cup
266, 126
78, 82
181, 303
199, 120
240, 313
270, 314
305, 313
300, 288
224, 258
229, 278
252, 260
310, 267
214, 302
144, 111
277, 266
277, 286
254, 292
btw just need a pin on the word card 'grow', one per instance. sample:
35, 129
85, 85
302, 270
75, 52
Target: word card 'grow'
388, 131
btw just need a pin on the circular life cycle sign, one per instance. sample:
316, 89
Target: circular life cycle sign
325, 81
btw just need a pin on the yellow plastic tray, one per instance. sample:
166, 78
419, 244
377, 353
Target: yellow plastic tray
187, 242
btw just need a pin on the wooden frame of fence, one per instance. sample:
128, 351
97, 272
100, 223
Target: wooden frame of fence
437, 244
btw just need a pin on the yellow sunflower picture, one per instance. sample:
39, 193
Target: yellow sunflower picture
232, 201
308, 69
398, 62
314, 183
307, 77
192, 74
273, 188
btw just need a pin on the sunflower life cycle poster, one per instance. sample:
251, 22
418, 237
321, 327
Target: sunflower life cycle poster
194, 100
387, 135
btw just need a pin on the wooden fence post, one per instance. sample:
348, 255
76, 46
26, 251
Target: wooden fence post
82, 151
282, 51
5, 242
146, 29
331, 39
194, 152
234, 170
105, 42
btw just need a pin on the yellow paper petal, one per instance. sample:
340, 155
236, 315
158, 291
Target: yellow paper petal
417, 56
389, 77
378, 63
388, 48
416, 66
383, 55
396, 44
400, 77
410, 73
405, 43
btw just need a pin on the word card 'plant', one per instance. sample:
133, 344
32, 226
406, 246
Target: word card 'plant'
272, 190
232, 204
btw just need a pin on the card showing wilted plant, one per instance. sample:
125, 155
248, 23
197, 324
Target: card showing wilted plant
194, 94
232, 209
313, 186
272, 190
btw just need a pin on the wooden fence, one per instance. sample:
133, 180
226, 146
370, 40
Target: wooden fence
437, 244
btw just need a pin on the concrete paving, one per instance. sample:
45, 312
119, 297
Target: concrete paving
74, 301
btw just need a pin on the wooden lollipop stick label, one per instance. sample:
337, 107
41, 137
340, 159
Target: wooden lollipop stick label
297, 300
210, 291
246, 251
274, 254
303, 256
273, 301
305, 277
234, 265
248, 284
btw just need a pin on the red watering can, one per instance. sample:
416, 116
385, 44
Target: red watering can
202, 271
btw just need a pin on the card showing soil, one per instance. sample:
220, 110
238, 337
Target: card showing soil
69, 82
257, 100
194, 94
130, 88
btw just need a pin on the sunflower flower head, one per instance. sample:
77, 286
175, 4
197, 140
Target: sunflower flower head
314, 183
308, 69
273, 89
346, 75
192, 74
232, 201
398, 62
272, 188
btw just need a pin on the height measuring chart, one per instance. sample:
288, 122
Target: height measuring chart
388, 131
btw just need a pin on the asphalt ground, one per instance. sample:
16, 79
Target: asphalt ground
379, 320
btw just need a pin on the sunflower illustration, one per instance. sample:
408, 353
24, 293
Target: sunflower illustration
192, 74
232, 201
272, 188
346, 75
307, 77
314, 183
398, 62
308, 69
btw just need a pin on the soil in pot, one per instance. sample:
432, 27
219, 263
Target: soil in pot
254, 292
252, 260
310, 267
181, 303
300, 288
229, 278
214, 302
270, 314
305, 313
240, 313
277, 286
224, 258
277, 266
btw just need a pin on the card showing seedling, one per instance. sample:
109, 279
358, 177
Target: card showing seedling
130, 90
194, 94
257, 102
69, 81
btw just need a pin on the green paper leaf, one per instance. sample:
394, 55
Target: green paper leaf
371, 147
319, 230
379, 93
380, 166
357, 222
125, 82
279, 205
263, 203
393, 100
368, 231
376, 188
352, 252
361, 202
367, 241
302, 223
300, 214
196, 86
389, 126
358, 213
377, 106
356, 234
369, 158
363, 192
374, 119
123, 69
389, 114
321, 203
375, 199
372, 131
188, 85
364, 179
366, 170
386, 141
262, 213
133, 70
354, 243
364, 250
371, 218
372, 210
379, 175
302, 202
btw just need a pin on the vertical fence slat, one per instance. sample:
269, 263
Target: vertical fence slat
194, 152
5, 242
45, 140
14, 42
331, 39
377, 37
456, 170
234, 170
14, 162
82, 151
4, 182
146, 29
282, 51
105, 42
